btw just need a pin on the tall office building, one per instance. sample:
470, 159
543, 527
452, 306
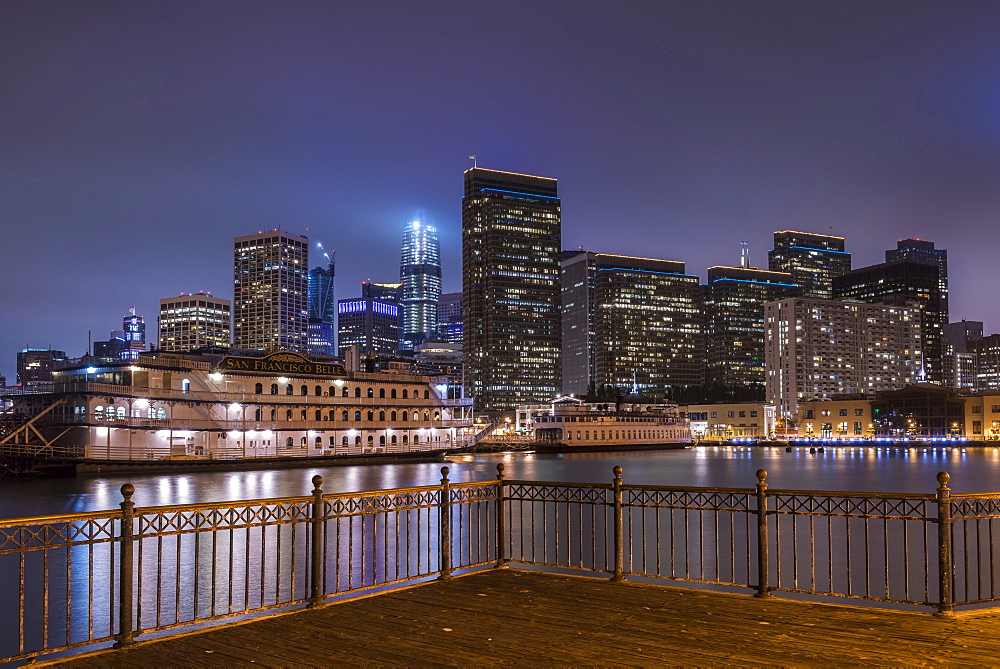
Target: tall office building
34, 368
922, 251
450, 318
812, 260
271, 291
510, 288
420, 274
734, 321
127, 343
189, 322
818, 348
629, 322
987, 352
322, 309
959, 357
370, 322
903, 283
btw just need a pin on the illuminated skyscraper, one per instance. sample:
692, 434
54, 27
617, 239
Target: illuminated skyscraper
812, 260
371, 322
510, 282
188, 322
271, 291
629, 322
420, 273
450, 318
922, 251
322, 309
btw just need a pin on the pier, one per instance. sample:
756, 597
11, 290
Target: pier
574, 559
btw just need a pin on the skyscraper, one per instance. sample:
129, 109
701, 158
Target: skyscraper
188, 322
734, 321
34, 368
922, 251
271, 291
903, 283
371, 322
450, 318
322, 309
812, 260
420, 273
629, 322
510, 283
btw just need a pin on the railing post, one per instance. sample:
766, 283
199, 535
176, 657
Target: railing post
317, 549
619, 522
444, 519
763, 564
126, 633
945, 602
501, 521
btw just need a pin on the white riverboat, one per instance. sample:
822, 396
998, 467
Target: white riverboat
568, 423
226, 406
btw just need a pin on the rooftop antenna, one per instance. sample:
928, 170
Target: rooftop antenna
473, 159
744, 255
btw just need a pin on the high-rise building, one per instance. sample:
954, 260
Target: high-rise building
271, 291
127, 343
734, 321
959, 359
34, 368
189, 322
370, 322
629, 322
510, 283
818, 348
922, 251
812, 260
987, 352
322, 309
903, 283
420, 274
450, 318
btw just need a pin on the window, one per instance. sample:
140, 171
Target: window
371, 392
393, 394
344, 392
427, 394
344, 441
405, 440
405, 416
343, 415
393, 439
825, 412
371, 415
302, 415
319, 415
258, 414
715, 414
404, 393
809, 413
381, 416
416, 415
274, 388
289, 443
289, 390
381, 392
843, 412
319, 391
333, 441
357, 441
743, 414
977, 426
371, 441
288, 414
416, 439
303, 443
357, 416
381, 440
319, 442
304, 389
753, 414
977, 409
731, 414
859, 412
995, 408
393, 416
259, 389
437, 415
357, 392
857, 427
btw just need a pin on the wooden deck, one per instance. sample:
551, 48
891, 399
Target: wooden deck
511, 617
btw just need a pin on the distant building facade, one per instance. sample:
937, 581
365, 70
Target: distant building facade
922, 251
271, 291
734, 321
34, 367
322, 328
812, 260
904, 283
959, 359
819, 348
511, 236
629, 323
370, 322
189, 322
420, 274
450, 318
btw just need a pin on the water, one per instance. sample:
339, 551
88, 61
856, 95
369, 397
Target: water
845, 469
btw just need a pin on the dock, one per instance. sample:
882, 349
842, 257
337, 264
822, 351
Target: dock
517, 617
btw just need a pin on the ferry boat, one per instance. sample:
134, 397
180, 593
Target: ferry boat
571, 423
229, 406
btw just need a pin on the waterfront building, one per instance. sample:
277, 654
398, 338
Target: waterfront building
812, 260
271, 291
922, 251
838, 417
167, 405
420, 274
731, 420
510, 285
734, 321
629, 323
450, 318
188, 322
370, 322
904, 283
322, 327
818, 348
35, 365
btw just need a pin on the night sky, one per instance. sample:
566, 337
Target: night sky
138, 138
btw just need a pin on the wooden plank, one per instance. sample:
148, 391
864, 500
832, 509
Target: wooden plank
529, 618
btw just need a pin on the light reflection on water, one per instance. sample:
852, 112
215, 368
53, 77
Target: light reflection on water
847, 468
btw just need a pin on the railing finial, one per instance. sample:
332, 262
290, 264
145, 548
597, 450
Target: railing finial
761, 475
943, 478
500, 468
127, 491
444, 474
617, 471
317, 482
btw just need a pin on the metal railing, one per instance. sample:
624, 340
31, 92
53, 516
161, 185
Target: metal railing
88, 579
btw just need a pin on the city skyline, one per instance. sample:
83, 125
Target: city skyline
133, 161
